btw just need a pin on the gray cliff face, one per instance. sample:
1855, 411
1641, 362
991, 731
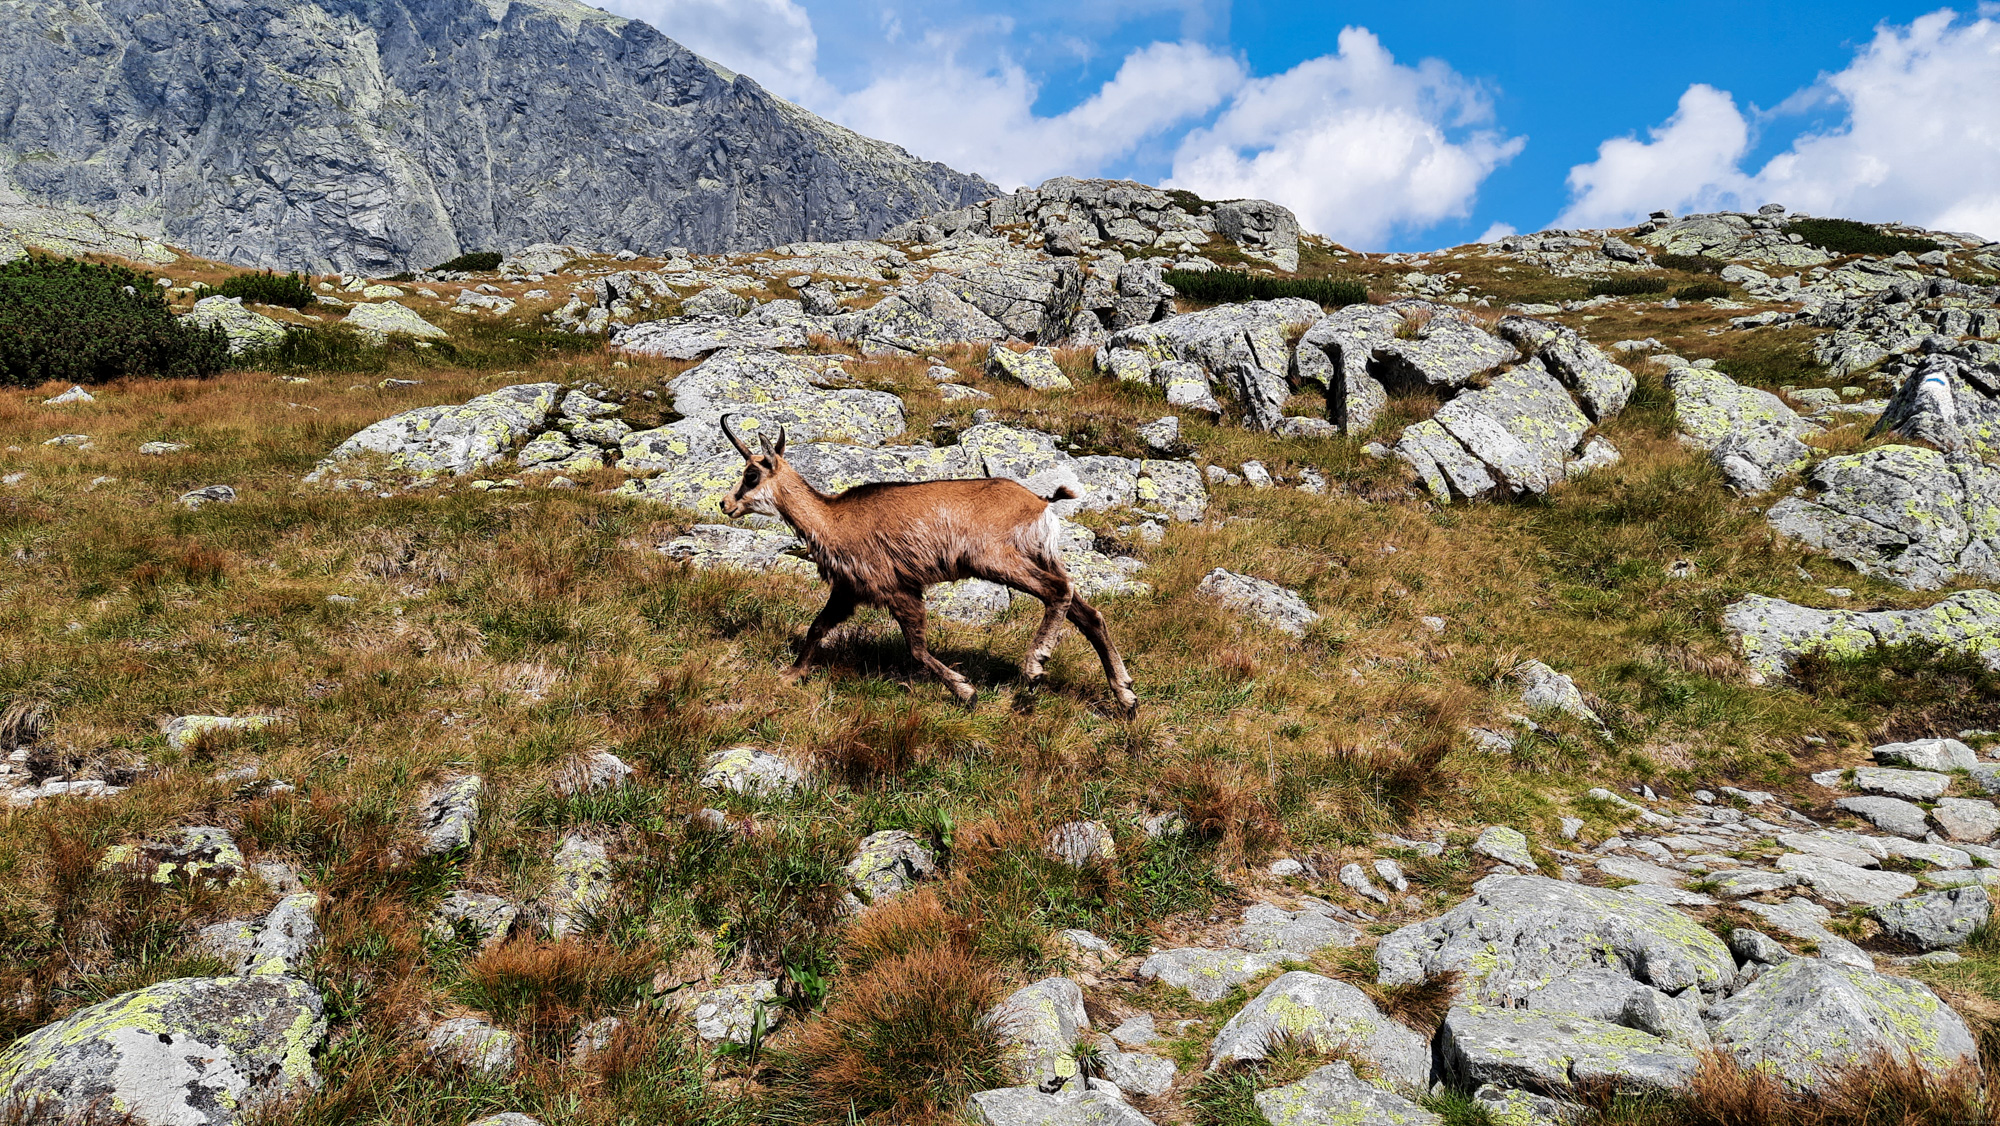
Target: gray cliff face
374, 135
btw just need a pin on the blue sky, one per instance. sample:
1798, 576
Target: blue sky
1414, 125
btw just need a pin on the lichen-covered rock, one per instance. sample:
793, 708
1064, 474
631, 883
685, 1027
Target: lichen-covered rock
1034, 369
474, 1044
1517, 434
1938, 920
286, 938
1518, 934
1244, 345
730, 1012
458, 440
247, 329
715, 301
1891, 815
1842, 884
1506, 844
185, 1052
580, 885
182, 731
1140, 1073
694, 337
1545, 689
1335, 354
888, 864
766, 390
1772, 632
1261, 229
1207, 975
744, 549
1927, 754
599, 770
1310, 1008
918, 320
204, 853
972, 602
489, 918
1042, 1023
1751, 435
1268, 930
1550, 1053
1334, 1094
1437, 349
750, 771
1025, 1106
376, 322
449, 814
1259, 599
1911, 515
1600, 386
1804, 1018
1952, 404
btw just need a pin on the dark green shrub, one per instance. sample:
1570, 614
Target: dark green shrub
1845, 236
1701, 291
472, 263
1627, 286
1690, 263
1188, 201
80, 322
1218, 287
267, 288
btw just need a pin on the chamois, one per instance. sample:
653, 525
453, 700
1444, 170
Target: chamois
881, 544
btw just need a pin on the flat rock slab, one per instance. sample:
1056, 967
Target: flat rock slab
1025, 1106
1927, 754
1771, 632
1268, 930
1522, 932
1891, 815
1207, 975
1260, 599
1806, 1017
693, 339
1550, 1053
1844, 884
1335, 1094
1910, 785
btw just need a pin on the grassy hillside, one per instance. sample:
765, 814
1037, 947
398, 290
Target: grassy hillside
510, 632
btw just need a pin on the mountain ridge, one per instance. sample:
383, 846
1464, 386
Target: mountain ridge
344, 134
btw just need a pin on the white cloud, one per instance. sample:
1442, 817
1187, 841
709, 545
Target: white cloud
1689, 164
984, 121
772, 41
1356, 144
1498, 231
1920, 142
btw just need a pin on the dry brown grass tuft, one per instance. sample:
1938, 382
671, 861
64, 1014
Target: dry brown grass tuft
910, 923
546, 989
1225, 804
1419, 1005
905, 1041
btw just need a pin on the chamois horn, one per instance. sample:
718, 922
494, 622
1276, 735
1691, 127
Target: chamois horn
734, 440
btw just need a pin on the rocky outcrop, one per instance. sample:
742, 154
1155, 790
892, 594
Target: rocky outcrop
1244, 346
1751, 435
332, 134
1914, 516
1951, 404
1772, 632
1804, 1018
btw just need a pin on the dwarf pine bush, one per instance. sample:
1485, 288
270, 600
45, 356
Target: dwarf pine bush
1217, 287
1845, 236
1627, 286
80, 322
472, 263
267, 288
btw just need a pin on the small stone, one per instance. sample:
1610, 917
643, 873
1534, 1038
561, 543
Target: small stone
599, 770
1078, 843
1927, 754
1507, 845
1355, 879
889, 863
449, 814
1035, 368
474, 1044
729, 1014
748, 770
1391, 873
1570, 827
210, 494
1335, 1094
76, 394
1255, 473
1286, 868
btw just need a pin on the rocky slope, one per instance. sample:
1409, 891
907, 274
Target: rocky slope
383, 137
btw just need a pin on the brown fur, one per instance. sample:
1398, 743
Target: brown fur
882, 544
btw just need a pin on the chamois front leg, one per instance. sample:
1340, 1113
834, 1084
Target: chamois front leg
908, 608
840, 604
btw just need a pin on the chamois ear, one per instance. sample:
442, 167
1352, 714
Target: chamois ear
780, 449
764, 442
733, 439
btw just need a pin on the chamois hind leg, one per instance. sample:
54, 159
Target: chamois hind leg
1056, 592
908, 609
840, 603
1091, 623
